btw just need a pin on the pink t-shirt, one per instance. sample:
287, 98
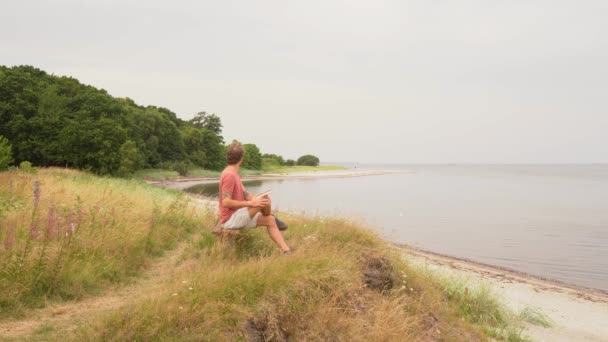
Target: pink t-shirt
230, 181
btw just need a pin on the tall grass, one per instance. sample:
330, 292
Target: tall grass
535, 316
480, 305
65, 234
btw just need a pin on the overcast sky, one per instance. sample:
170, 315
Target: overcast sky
367, 81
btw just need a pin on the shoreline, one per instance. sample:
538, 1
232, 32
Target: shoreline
509, 274
186, 182
576, 313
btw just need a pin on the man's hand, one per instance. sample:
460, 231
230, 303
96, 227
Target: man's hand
259, 202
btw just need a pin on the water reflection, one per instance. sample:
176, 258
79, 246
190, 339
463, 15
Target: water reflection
212, 189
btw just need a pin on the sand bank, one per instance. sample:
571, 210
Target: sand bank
576, 313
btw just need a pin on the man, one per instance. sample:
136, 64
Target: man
239, 209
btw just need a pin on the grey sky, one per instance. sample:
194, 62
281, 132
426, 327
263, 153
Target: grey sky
368, 81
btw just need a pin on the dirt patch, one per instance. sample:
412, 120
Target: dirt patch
431, 327
378, 274
265, 328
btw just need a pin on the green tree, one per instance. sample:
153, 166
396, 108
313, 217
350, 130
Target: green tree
208, 121
130, 158
6, 153
156, 136
54, 121
253, 157
290, 162
94, 145
194, 145
273, 159
171, 115
214, 150
171, 146
308, 160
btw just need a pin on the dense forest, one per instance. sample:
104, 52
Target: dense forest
58, 121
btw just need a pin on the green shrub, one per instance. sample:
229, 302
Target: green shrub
308, 160
273, 159
180, 166
26, 166
6, 153
130, 159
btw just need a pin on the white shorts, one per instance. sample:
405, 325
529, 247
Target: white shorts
240, 219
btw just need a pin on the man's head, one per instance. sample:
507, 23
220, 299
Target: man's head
234, 155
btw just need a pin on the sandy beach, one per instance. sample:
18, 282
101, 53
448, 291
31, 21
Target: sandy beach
575, 313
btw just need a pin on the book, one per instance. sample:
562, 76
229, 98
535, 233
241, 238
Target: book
265, 193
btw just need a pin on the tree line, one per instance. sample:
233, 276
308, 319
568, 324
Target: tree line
57, 121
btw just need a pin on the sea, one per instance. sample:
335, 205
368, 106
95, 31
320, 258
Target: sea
546, 220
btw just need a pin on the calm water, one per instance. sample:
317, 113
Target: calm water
550, 221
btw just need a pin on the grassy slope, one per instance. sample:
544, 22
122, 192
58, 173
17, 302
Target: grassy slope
243, 289
82, 234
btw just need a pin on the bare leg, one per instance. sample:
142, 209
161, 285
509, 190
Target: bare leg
273, 231
267, 210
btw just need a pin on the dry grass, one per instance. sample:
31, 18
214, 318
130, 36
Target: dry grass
244, 290
342, 283
66, 234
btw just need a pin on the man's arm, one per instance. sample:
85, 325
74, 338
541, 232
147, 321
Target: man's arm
255, 202
248, 196
228, 202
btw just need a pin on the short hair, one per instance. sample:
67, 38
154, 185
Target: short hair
234, 154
